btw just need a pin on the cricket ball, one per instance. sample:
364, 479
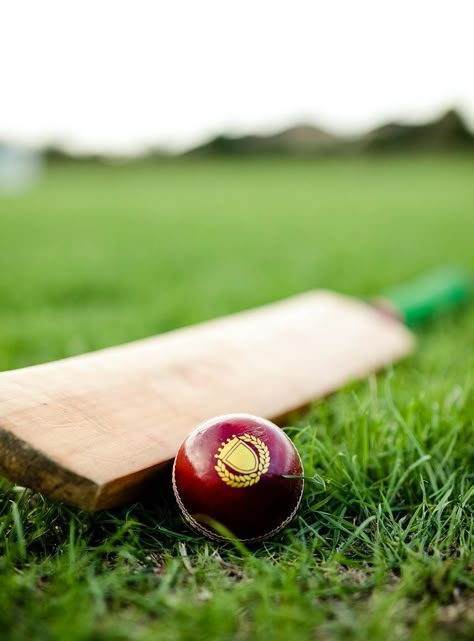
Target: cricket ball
238, 471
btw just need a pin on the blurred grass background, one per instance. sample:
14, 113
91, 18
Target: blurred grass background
97, 255
382, 547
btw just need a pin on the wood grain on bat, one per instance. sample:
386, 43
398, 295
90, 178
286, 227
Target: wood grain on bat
92, 429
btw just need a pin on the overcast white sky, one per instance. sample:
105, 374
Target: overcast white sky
118, 75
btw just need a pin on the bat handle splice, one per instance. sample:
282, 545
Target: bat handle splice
431, 294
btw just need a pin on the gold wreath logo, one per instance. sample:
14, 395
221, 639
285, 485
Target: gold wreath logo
242, 460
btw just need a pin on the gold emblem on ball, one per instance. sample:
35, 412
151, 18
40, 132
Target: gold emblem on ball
242, 460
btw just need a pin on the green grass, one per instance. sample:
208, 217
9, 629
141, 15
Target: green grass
382, 547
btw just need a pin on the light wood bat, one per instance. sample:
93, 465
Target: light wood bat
93, 430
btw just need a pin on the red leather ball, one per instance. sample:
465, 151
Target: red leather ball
231, 470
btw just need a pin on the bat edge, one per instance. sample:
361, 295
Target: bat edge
25, 465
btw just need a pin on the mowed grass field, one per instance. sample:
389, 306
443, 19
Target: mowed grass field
382, 547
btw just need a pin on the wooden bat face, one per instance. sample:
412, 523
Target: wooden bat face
92, 430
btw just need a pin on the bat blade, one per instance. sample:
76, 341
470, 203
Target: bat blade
91, 430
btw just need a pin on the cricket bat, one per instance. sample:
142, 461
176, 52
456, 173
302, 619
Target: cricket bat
93, 430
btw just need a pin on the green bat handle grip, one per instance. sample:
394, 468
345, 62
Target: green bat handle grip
431, 294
